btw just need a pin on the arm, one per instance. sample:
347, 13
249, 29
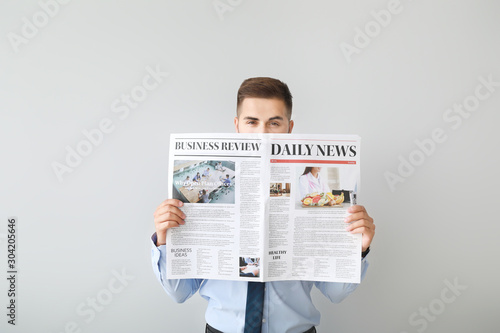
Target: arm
303, 186
168, 215
360, 222
324, 187
337, 291
178, 289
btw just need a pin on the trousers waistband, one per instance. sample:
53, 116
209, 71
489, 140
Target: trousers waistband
210, 329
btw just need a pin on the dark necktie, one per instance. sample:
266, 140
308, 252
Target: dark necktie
255, 307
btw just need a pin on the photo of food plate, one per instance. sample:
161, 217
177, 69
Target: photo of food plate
327, 199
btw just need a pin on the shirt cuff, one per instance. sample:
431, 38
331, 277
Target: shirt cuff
158, 255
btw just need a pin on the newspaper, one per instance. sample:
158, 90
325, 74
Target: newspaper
264, 207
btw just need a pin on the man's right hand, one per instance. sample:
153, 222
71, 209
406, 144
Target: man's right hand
167, 215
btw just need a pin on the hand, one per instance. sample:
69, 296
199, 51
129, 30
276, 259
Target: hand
361, 223
167, 215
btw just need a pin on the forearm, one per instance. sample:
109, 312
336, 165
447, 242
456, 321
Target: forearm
178, 289
337, 291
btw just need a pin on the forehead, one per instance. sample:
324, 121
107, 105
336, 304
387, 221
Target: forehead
262, 108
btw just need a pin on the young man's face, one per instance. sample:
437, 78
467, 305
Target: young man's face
263, 115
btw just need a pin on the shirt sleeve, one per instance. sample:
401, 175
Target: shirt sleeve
325, 189
303, 186
336, 291
178, 289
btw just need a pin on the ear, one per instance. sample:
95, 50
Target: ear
290, 126
236, 125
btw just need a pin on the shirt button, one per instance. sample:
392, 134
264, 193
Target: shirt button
263, 320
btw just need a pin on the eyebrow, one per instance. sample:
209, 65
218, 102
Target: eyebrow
272, 118
276, 118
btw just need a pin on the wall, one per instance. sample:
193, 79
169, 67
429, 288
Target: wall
410, 77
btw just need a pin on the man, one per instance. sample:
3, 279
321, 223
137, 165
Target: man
203, 196
219, 167
187, 184
197, 178
225, 182
264, 105
206, 173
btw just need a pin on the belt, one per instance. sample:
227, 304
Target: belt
210, 329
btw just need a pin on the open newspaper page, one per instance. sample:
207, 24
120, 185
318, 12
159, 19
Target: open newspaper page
220, 178
264, 207
313, 181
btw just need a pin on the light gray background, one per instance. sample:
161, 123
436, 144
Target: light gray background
440, 224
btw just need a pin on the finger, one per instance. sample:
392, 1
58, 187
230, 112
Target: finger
168, 216
358, 216
362, 230
169, 209
359, 230
171, 202
360, 224
356, 208
160, 227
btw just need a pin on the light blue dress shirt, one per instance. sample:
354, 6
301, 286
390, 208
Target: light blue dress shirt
288, 307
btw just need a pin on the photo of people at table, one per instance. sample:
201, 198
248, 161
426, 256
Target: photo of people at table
249, 267
204, 181
279, 189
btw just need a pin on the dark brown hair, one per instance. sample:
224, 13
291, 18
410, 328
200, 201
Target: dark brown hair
307, 170
265, 87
